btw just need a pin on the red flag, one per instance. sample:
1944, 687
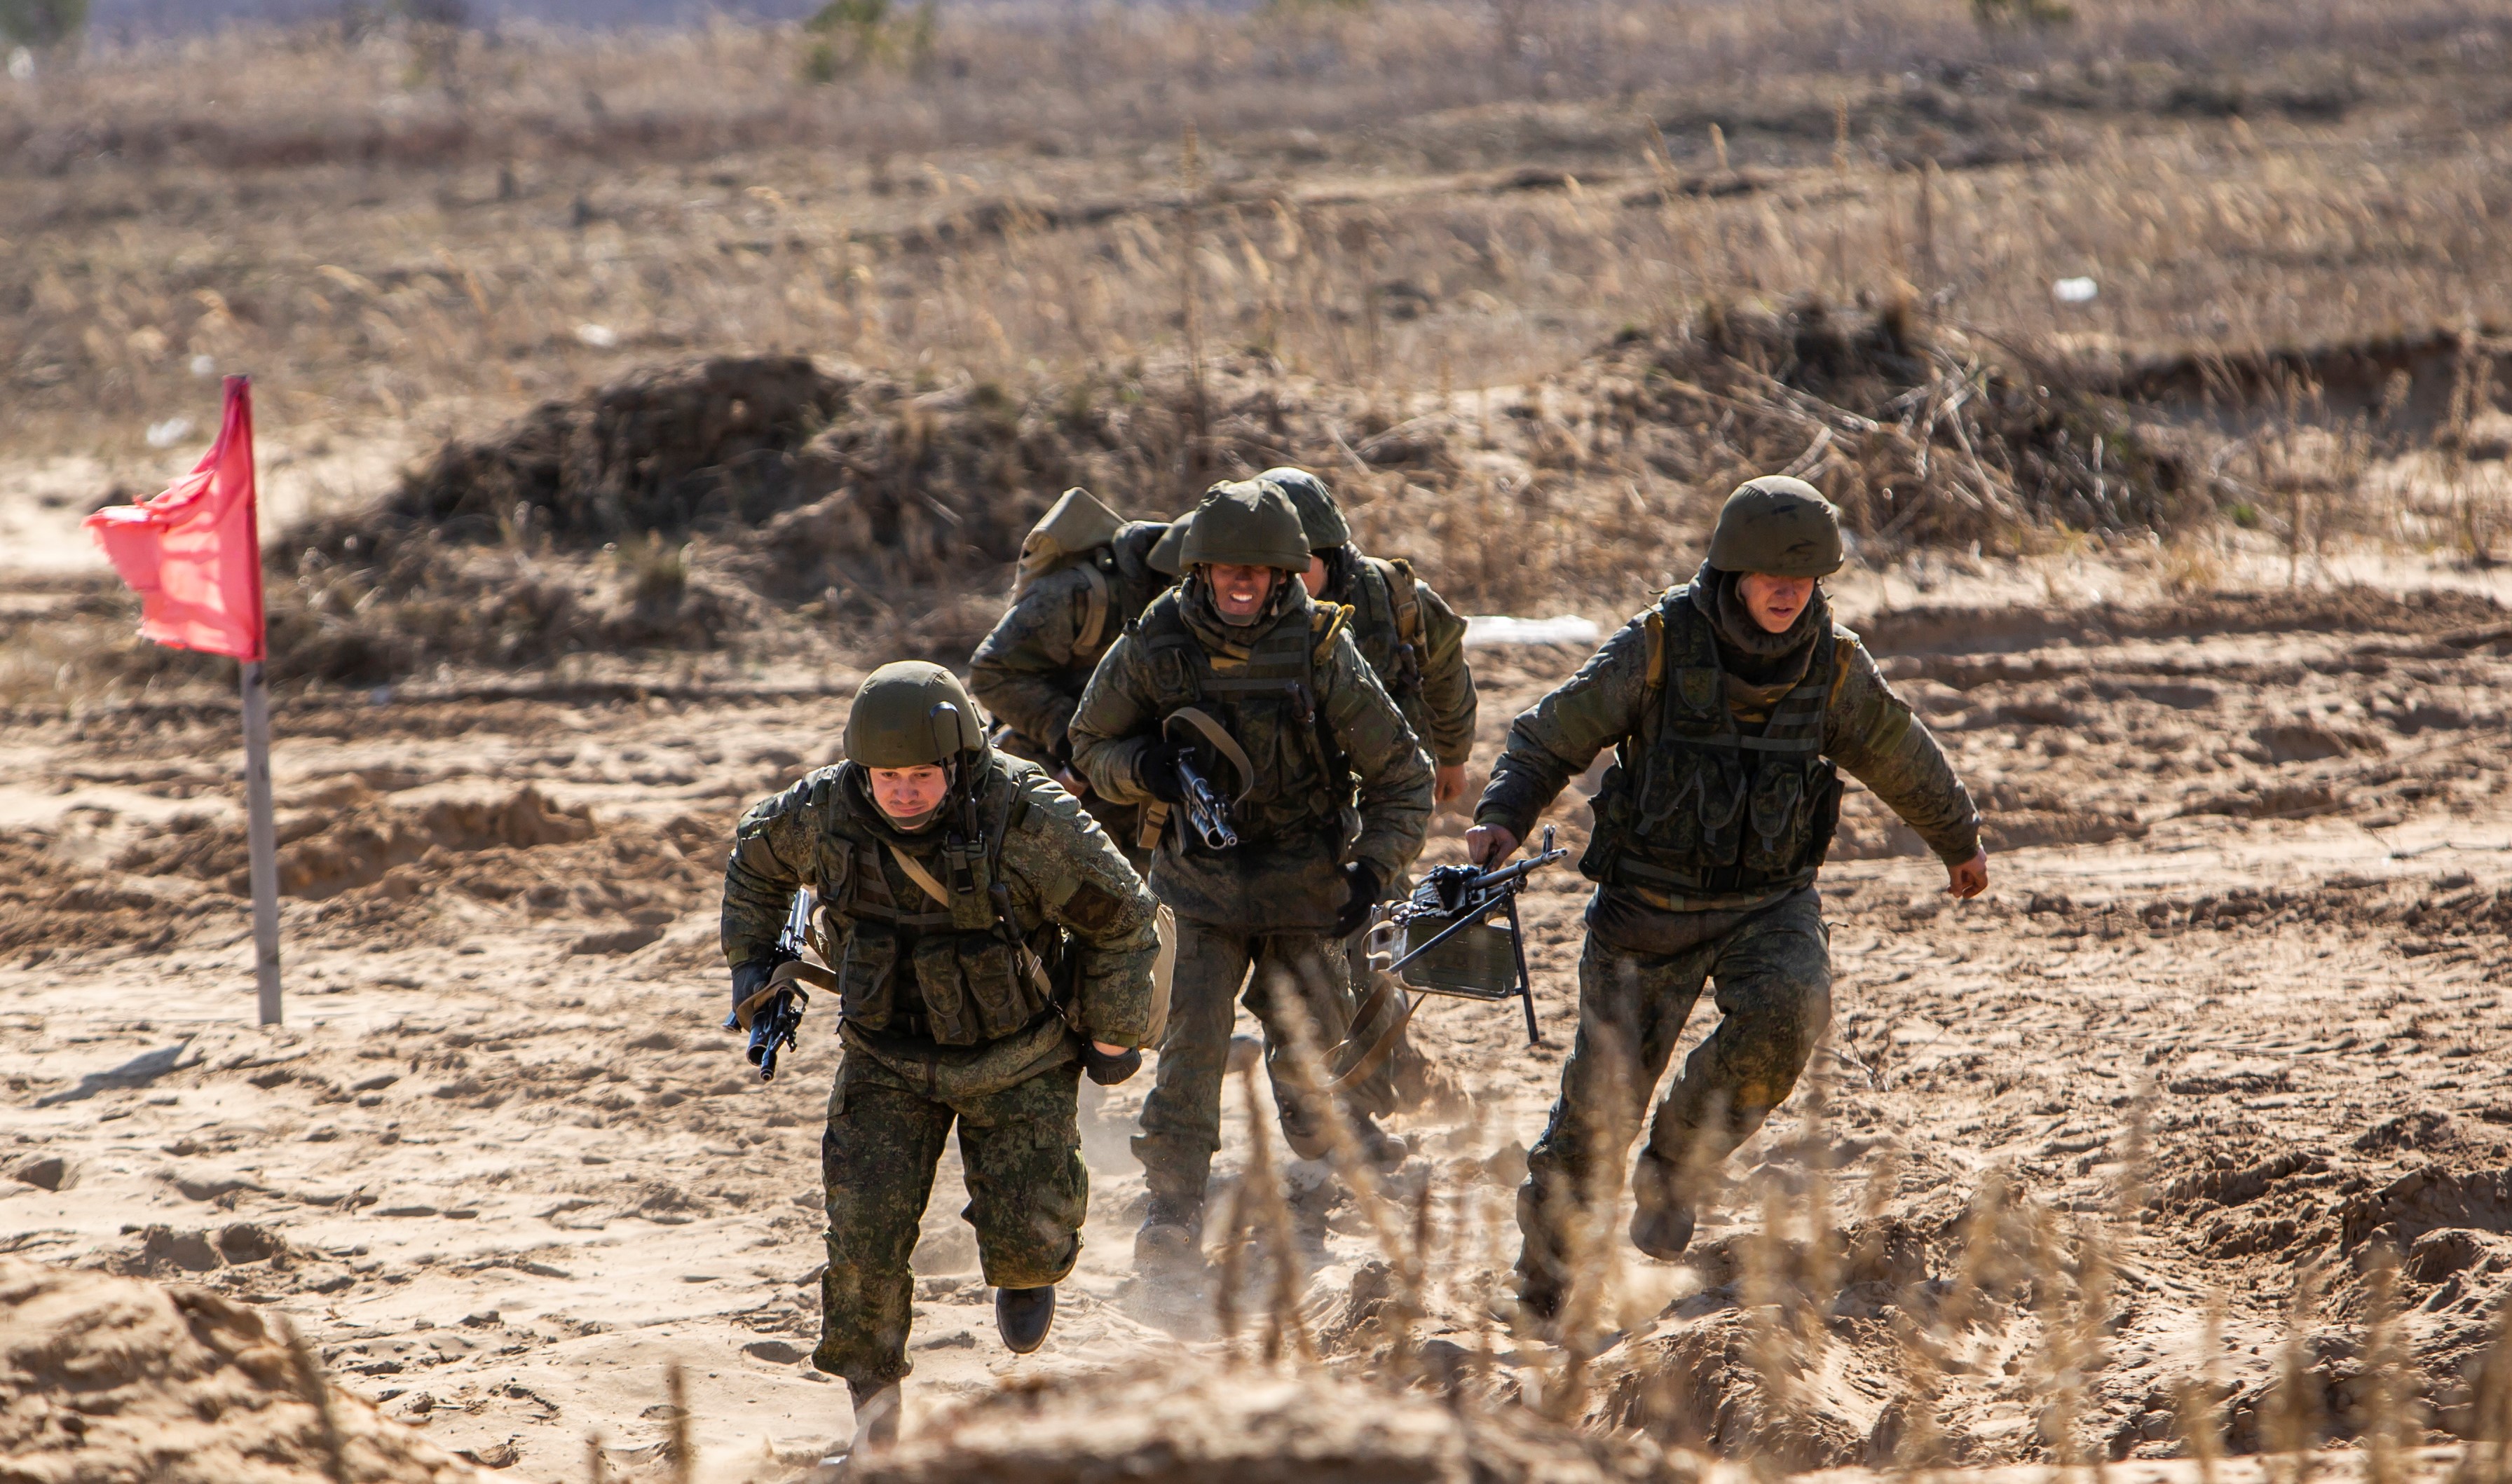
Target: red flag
194, 554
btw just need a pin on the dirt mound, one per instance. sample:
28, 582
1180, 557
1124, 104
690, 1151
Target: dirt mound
686, 502
114, 1378
326, 851
1923, 437
2397, 386
663, 449
1253, 1426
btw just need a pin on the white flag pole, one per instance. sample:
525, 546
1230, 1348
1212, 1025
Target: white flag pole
261, 841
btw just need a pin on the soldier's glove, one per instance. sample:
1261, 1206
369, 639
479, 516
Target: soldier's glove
1108, 1071
748, 979
1362, 880
1160, 777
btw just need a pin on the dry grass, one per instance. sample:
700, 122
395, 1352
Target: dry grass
432, 234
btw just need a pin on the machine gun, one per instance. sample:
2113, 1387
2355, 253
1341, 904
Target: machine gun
776, 1012
1207, 813
1450, 945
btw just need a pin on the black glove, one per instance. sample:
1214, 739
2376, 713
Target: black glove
1108, 1071
748, 979
1362, 879
1161, 774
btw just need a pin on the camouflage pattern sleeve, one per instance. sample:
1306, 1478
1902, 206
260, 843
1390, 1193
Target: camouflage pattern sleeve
1447, 685
775, 852
1395, 772
1557, 739
1117, 722
1022, 670
1875, 735
1084, 887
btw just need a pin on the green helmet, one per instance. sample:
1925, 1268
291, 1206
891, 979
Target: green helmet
910, 713
1779, 526
1167, 554
1320, 515
1246, 523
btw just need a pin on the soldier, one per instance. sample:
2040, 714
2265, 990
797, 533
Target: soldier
989, 947
1084, 574
1406, 631
1239, 670
1417, 644
1728, 705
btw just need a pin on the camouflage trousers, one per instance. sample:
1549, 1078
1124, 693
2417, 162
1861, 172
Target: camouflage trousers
1773, 972
1182, 1115
1021, 1150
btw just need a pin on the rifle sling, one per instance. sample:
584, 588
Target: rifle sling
1223, 742
781, 982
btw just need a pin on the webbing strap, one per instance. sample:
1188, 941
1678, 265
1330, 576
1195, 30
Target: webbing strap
1222, 742
1378, 1050
922, 878
1095, 623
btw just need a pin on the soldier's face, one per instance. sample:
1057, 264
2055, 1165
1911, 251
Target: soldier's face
1239, 592
1775, 601
910, 792
1314, 579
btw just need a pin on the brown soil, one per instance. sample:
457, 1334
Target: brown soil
2250, 898
108, 1379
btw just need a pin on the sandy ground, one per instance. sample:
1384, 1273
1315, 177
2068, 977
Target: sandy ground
2251, 874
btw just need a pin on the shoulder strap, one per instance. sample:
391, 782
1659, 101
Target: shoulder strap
922, 878
1325, 621
1094, 623
1403, 595
1654, 625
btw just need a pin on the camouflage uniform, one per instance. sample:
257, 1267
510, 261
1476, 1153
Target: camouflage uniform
1711, 828
948, 1021
1030, 671
1306, 708
1414, 641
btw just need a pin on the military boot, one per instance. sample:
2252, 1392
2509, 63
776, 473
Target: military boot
876, 1410
1662, 1219
1378, 1147
1022, 1317
1171, 1234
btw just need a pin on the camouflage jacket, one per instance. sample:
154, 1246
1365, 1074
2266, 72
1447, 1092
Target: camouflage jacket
1417, 644
1073, 902
1030, 671
1865, 729
1312, 722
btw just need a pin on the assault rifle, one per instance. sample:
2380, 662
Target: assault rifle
1207, 813
1451, 945
776, 1019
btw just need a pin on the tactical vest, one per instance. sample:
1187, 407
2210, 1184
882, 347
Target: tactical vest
1386, 628
977, 976
1119, 582
1693, 806
1268, 704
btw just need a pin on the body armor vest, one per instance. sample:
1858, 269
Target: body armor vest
1268, 703
1695, 806
958, 975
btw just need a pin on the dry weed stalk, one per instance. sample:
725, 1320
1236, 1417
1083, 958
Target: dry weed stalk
2292, 1420
305, 1371
1282, 1317
2386, 1399
2200, 1397
597, 1466
680, 1450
